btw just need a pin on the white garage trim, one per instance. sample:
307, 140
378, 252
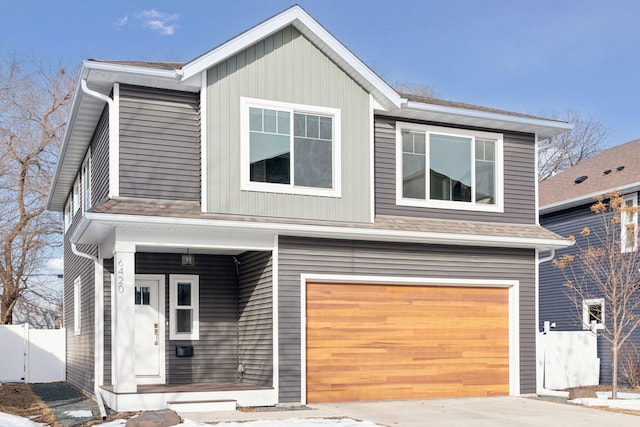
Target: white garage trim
514, 313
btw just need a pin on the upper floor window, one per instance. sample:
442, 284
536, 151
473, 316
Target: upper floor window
449, 168
68, 212
86, 183
76, 193
629, 224
290, 148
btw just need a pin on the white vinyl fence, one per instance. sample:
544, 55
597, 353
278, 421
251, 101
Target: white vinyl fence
567, 359
32, 355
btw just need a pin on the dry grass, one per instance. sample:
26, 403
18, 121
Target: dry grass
19, 399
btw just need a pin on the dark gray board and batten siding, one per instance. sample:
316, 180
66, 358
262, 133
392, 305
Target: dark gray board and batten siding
235, 315
159, 144
319, 256
519, 179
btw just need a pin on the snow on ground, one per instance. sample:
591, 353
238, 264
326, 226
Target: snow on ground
78, 414
624, 400
8, 420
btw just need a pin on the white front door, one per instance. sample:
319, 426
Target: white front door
149, 329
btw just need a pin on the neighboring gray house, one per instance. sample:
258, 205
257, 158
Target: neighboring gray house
565, 202
258, 225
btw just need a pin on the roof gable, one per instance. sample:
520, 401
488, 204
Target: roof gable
313, 31
617, 168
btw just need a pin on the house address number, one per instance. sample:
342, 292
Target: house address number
121, 276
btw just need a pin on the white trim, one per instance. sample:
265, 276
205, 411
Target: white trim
514, 312
587, 198
112, 278
77, 191
204, 147
537, 183
275, 304
99, 321
552, 126
245, 181
194, 280
623, 224
161, 378
77, 306
329, 231
68, 212
585, 314
372, 161
114, 143
312, 29
446, 204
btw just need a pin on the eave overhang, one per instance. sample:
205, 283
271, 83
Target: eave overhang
469, 117
96, 227
587, 198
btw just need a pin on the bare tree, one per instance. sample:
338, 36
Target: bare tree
563, 151
607, 267
33, 110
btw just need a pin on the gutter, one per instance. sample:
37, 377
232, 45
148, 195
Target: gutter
99, 328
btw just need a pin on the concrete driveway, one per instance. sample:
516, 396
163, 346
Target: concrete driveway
481, 412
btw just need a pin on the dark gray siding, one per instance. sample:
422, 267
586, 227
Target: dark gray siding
299, 255
555, 304
159, 143
100, 160
80, 348
519, 179
255, 320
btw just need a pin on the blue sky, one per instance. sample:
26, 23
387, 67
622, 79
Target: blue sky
530, 56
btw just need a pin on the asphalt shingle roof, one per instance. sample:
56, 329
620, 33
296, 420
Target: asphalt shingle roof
563, 186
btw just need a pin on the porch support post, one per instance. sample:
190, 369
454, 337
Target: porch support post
123, 340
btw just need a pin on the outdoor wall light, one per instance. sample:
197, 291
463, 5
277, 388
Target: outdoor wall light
188, 259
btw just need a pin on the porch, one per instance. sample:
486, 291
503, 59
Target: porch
194, 397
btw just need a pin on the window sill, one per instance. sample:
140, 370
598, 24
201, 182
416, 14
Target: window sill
457, 206
286, 189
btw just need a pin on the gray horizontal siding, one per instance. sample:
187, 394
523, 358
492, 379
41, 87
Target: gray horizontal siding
519, 179
100, 160
319, 256
255, 317
159, 144
80, 348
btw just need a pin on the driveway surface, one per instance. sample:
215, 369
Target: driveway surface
469, 412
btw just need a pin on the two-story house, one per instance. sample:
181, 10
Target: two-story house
565, 208
272, 223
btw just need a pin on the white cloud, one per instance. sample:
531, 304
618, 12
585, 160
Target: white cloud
55, 264
121, 22
159, 21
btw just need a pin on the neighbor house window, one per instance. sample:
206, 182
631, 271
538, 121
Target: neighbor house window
184, 305
593, 313
77, 306
290, 148
629, 224
86, 183
448, 168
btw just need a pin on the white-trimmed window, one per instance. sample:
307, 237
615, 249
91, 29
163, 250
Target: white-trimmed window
184, 301
77, 305
449, 168
76, 193
593, 313
629, 224
290, 148
68, 212
86, 183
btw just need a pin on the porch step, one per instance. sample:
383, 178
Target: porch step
202, 405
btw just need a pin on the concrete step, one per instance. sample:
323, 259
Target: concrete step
202, 405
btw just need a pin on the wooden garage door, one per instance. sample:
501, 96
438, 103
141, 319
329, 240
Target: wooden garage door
387, 342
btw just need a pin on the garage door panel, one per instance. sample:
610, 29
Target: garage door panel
369, 342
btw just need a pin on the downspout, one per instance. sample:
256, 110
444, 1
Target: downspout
98, 319
540, 369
